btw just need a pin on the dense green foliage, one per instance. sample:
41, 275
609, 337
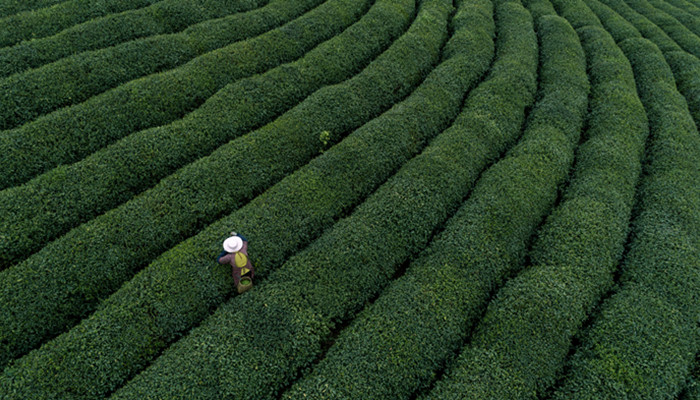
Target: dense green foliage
181, 204
685, 67
686, 71
643, 342
688, 20
576, 13
49, 20
647, 28
524, 337
617, 26
686, 6
679, 33
71, 133
692, 389
406, 335
311, 199
113, 175
300, 303
167, 16
71, 80
539, 9
431, 212
548, 146
9, 7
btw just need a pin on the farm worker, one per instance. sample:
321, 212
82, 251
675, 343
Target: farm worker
236, 253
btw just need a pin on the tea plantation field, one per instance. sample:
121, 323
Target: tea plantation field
444, 199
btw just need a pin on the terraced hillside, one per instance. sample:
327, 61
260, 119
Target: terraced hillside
444, 199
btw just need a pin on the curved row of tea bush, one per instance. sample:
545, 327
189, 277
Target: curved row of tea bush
72, 133
295, 309
627, 15
71, 80
576, 12
686, 71
685, 67
75, 193
643, 342
167, 16
9, 7
684, 17
114, 174
71, 270
620, 29
539, 9
417, 323
50, 20
522, 341
311, 199
677, 31
686, 6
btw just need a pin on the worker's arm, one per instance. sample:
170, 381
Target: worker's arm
218, 259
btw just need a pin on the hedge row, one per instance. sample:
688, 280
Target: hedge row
618, 27
648, 29
539, 8
687, 6
9, 7
74, 79
50, 20
679, 33
167, 16
635, 350
576, 13
76, 193
72, 133
684, 17
74, 276
643, 342
292, 312
405, 337
522, 341
310, 199
545, 155
685, 67
686, 71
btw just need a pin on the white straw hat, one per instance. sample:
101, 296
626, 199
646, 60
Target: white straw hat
233, 244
